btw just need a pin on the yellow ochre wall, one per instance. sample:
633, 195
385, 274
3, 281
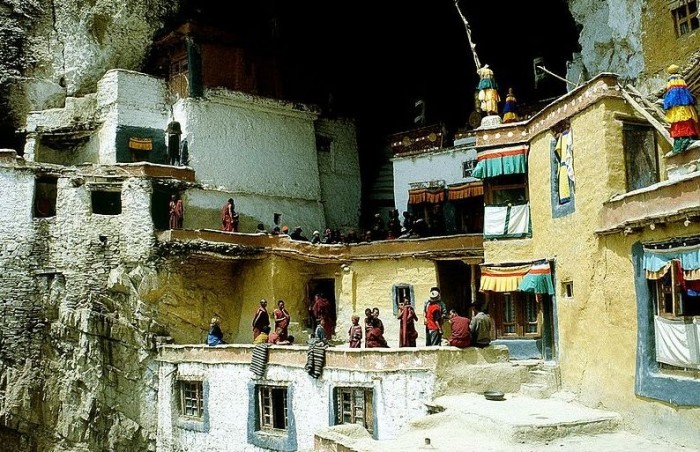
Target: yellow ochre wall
660, 45
597, 327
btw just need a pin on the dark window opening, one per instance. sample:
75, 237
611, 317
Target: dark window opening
568, 289
511, 189
323, 143
469, 215
272, 403
106, 202
641, 162
467, 168
45, 194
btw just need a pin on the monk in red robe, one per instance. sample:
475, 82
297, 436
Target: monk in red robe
322, 310
282, 319
407, 328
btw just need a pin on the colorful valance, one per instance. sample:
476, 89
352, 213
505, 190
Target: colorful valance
507, 221
538, 280
140, 144
657, 260
426, 195
465, 191
499, 162
535, 278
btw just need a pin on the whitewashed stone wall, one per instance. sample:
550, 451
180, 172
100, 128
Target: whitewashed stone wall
340, 175
398, 397
445, 165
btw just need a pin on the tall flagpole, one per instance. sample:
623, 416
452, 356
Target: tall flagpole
472, 46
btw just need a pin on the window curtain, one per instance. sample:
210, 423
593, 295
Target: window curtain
500, 162
533, 277
465, 191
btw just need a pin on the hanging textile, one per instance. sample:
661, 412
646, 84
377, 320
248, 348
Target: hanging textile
563, 151
499, 162
426, 195
677, 342
507, 221
534, 278
140, 144
465, 191
657, 260
538, 279
502, 279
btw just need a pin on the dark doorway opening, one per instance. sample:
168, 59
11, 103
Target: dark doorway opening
325, 286
106, 202
454, 279
160, 207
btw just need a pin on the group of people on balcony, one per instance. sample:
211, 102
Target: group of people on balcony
465, 332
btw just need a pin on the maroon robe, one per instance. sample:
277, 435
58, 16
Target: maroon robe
407, 332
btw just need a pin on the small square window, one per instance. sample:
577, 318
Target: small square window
191, 398
272, 408
355, 406
323, 143
106, 202
567, 288
467, 168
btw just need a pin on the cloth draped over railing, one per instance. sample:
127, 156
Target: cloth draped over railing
501, 162
464, 191
534, 277
507, 221
426, 195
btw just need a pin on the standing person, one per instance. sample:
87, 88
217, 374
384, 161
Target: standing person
434, 294
215, 336
175, 212
368, 323
433, 322
229, 217
375, 315
481, 326
174, 131
282, 319
322, 310
460, 335
355, 332
375, 336
320, 332
260, 319
407, 328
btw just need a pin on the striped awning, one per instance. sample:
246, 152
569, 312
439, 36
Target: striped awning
464, 191
426, 195
534, 277
502, 161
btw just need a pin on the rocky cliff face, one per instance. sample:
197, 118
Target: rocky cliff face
77, 339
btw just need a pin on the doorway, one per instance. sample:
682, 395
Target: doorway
454, 280
325, 286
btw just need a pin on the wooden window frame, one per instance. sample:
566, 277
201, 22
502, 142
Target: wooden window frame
191, 398
668, 295
502, 183
268, 406
348, 411
517, 303
567, 289
685, 18
468, 167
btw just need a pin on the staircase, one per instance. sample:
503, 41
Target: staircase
651, 112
